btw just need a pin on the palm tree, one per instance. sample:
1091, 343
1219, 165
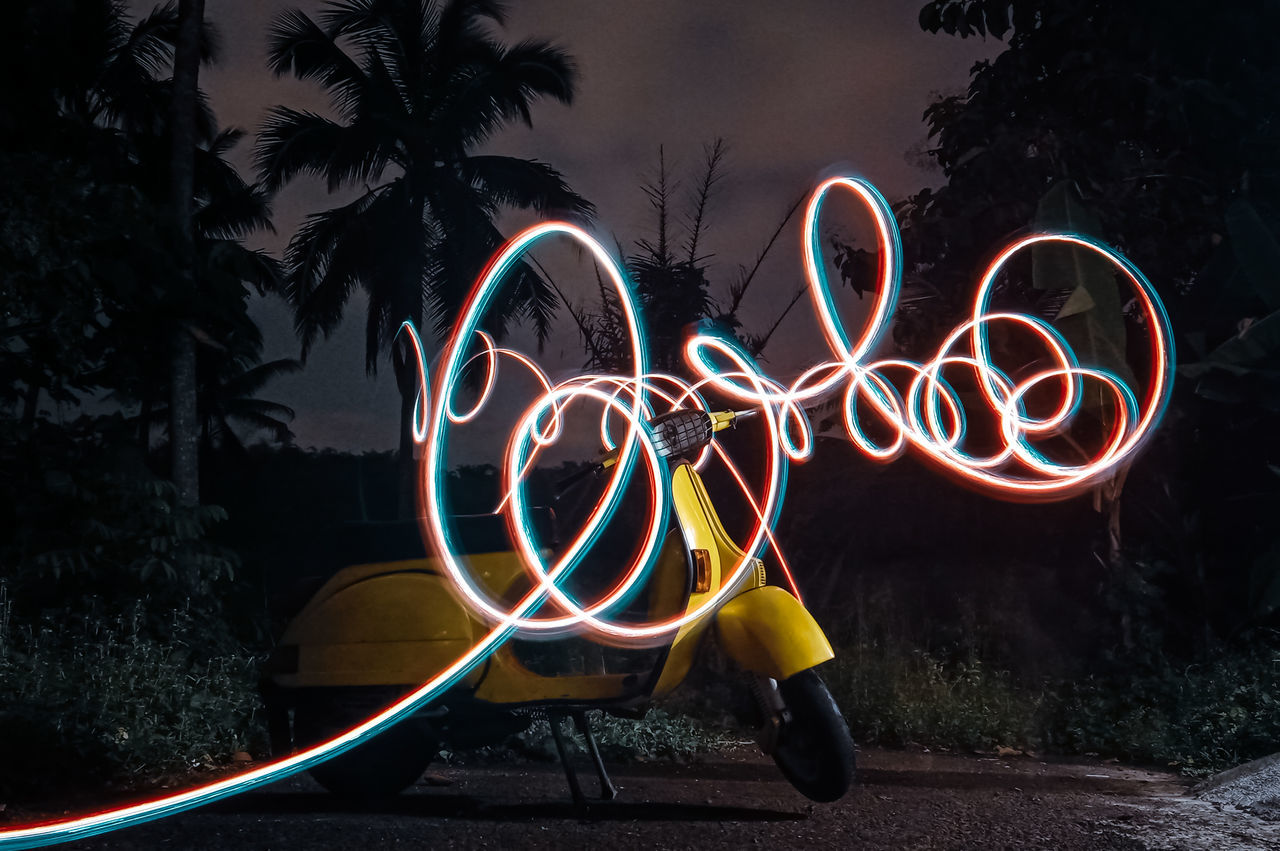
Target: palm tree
226, 210
230, 399
184, 92
417, 86
229, 379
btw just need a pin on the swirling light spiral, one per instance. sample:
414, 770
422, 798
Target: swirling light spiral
927, 415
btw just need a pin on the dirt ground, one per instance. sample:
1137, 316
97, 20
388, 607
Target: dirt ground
901, 800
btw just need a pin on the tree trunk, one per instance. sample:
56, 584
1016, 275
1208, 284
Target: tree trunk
405, 366
144, 427
183, 419
406, 372
1107, 501
30, 402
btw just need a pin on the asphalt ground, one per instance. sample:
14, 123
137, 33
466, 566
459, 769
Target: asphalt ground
900, 800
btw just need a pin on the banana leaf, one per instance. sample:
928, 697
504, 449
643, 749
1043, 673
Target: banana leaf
1092, 318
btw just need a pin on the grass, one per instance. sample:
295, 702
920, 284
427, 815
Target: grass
659, 735
900, 697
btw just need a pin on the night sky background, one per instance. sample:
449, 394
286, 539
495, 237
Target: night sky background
796, 90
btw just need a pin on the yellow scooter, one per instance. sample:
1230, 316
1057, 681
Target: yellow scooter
389, 621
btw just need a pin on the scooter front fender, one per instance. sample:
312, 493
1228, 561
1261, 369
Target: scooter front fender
767, 631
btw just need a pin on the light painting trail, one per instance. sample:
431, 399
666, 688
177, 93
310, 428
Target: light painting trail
926, 414
930, 418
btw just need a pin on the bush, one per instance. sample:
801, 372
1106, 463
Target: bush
1199, 718
91, 700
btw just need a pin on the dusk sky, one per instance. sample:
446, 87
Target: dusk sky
796, 89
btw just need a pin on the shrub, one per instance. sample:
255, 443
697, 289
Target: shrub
1200, 718
90, 700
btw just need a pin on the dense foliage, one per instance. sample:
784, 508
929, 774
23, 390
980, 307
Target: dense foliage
1152, 126
112, 583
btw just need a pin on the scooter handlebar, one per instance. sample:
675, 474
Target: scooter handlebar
721, 420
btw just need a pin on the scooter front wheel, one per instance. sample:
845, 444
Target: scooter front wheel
814, 748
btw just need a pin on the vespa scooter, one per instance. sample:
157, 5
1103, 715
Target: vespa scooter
389, 621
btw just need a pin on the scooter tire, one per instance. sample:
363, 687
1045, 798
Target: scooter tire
814, 748
379, 768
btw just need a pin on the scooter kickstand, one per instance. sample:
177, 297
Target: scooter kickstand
607, 790
579, 800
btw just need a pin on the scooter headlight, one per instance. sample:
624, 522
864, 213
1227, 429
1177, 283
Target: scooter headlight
681, 433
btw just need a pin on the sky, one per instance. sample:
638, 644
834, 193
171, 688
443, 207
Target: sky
798, 90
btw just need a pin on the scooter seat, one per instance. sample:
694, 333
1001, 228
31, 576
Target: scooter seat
401, 540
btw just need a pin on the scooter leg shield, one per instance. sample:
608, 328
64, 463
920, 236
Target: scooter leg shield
768, 631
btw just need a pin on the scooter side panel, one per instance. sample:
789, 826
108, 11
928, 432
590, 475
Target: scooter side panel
390, 624
508, 682
400, 663
767, 631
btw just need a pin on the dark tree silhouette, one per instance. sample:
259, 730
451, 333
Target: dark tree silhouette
417, 87
1161, 115
227, 209
670, 275
183, 419
99, 124
1153, 126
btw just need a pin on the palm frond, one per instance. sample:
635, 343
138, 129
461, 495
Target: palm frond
242, 408
461, 20
235, 213
230, 259
515, 182
389, 34
293, 142
241, 389
493, 86
150, 42
263, 422
334, 251
541, 69
297, 44
378, 320
226, 139
388, 96
132, 99
468, 237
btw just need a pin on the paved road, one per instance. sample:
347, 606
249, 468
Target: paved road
901, 801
